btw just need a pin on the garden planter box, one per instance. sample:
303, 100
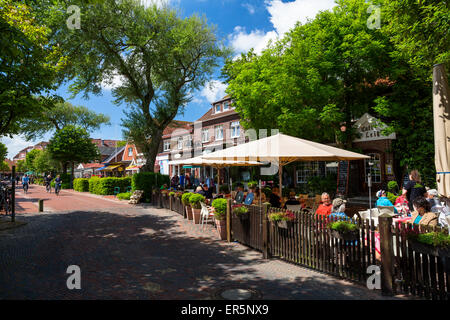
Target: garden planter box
284, 224
348, 236
189, 213
222, 228
196, 215
243, 216
423, 248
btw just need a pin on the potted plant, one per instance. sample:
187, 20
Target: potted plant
283, 220
252, 184
220, 213
194, 201
241, 212
185, 199
344, 230
432, 243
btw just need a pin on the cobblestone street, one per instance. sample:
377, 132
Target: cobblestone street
129, 252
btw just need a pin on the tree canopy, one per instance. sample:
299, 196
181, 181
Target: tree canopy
61, 115
156, 58
3, 152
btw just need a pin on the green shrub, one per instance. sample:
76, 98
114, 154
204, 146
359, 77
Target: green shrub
124, 196
392, 186
240, 210
147, 181
81, 185
392, 197
343, 226
252, 184
106, 186
185, 198
435, 239
93, 183
171, 194
195, 200
220, 206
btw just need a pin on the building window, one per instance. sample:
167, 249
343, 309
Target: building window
205, 135
189, 141
180, 143
235, 129
166, 145
130, 152
226, 105
373, 165
217, 108
306, 170
219, 132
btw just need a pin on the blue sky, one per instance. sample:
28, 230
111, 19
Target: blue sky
243, 24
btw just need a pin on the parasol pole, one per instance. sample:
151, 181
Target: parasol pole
280, 176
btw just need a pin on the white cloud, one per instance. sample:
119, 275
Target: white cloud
159, 3
213, 91
116, 81
15, 144
283, 16
251, 9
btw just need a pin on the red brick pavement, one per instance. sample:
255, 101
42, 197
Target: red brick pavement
66, 200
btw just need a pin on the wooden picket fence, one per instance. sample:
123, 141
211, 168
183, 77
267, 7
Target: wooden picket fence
419, 273
250, 230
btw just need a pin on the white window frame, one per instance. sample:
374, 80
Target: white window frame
306, 171
130, 151
215, 108
218, 129
166, 146
226, 106
189, 141
180, 143
235, 125
376, 168
205, 135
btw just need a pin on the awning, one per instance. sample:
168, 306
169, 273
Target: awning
129, 168
100, 169
109, 168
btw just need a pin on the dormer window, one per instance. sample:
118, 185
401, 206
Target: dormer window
226, 106
217, 108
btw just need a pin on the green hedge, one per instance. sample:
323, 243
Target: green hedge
106, 186
124, 196
81, 185
147, 181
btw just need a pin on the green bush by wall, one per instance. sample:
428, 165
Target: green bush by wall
81, 185
106, 186
146, 181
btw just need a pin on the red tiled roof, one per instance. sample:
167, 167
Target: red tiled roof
177, 125
92, 165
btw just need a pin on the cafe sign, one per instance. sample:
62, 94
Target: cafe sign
369, 129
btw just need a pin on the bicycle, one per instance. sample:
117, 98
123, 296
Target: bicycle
48, 188
57, 188
25, 188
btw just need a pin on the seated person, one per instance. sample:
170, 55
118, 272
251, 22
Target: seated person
421, 214
433, 198
258, 195
291, 201
383, 200
275, 200
250, 197
402, 204
200, 190
208, 192
325, 206
239, 194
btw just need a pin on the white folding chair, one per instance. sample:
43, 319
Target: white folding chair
205, 215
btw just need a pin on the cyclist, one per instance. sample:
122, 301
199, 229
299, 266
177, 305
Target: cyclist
58, 182
25, 183
48, 183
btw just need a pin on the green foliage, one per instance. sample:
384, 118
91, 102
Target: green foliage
195, 200
4, 166
43, 163
3, 152
60, 116
435, 239
106, 186
124, 196
21, 166
147, 181
185, 198
318, 185
171, 194
81, 185
220, 208
29, 159
66, 181
343, 226
72, 145
28, 65
392, 197
392, 186
239, 210
93, 182
252, 184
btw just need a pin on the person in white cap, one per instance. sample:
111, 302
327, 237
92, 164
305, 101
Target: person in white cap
433, 198
383, 200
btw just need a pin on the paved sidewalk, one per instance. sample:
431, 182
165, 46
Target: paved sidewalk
145, 253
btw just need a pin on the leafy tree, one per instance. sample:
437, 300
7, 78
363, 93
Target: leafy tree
72, 145
4, 166
21, 166
28, 66
3, 152
319, 76
44, 163
29, 159
160, 59
61, 115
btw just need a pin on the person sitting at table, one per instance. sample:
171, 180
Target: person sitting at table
291, 201
208, 192
275, 200
433, 198
239, 194
383, 200
421, 214
338, 209
200, 190
258, 194
325, 206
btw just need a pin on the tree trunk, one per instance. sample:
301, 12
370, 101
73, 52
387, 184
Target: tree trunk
72, 175
150, 151
64, 167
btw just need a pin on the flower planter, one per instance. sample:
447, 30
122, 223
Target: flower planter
222, 228
196, 215
243, 216
284, 224
189, 213
423, 248
347, 236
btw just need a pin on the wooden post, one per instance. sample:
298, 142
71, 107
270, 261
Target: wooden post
160, 199
265, 231
170, 202
13, 194
387, 255
229, 220
41, 205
